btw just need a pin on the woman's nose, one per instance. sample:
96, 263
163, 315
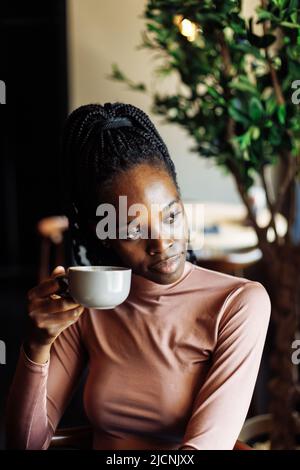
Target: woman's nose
159, 245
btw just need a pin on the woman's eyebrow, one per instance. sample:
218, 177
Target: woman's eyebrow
171, 204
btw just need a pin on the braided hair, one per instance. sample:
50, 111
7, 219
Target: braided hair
99, 143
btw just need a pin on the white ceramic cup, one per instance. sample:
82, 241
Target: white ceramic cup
99, 287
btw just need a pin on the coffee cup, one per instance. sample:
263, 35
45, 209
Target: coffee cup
98, 287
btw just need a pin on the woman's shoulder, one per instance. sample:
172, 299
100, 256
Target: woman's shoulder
231, 290
248, 305
210, 279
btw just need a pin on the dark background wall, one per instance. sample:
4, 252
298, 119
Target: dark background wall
33, 66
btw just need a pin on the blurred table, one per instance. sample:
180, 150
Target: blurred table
220, 234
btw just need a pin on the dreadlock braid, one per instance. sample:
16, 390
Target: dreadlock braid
100, 142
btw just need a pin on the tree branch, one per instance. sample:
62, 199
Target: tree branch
270, 204
291, 215
291, 172
230, 133
225, 55
276, 85
260, 231
290, 161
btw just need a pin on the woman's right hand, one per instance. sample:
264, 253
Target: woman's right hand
49, 314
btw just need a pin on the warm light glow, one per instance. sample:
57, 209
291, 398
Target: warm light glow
186, 27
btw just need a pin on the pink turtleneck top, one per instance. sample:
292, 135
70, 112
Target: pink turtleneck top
175, 365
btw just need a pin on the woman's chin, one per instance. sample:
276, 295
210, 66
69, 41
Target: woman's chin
167, 273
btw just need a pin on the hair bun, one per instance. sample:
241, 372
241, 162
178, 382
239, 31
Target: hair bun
115, 122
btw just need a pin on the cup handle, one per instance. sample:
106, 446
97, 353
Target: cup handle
63, 290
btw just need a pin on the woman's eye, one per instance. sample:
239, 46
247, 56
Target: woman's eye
172, 217
134, 235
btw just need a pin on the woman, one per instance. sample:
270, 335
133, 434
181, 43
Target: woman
174, 366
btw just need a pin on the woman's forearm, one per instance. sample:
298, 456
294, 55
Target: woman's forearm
27, 425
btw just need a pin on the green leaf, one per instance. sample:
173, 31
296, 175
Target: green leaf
264, 15
281, 113
117, 74
164, 70
121, 77
235, 111
247, 48
293, 5
213, 92
294, 17
271, 105
274, 136
137, 86
216, 95
152, 28
256, 109
287, 24
255, 132
293, 52
243, 84
245, 142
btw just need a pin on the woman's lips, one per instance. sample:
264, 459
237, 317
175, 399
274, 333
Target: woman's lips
168, 266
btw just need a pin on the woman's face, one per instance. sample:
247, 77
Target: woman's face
155, 247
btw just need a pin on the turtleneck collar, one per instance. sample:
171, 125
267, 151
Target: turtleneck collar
144, 286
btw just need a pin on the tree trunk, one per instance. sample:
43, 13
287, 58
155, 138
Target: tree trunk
284, 275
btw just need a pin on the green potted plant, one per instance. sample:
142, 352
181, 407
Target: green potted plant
237, 97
